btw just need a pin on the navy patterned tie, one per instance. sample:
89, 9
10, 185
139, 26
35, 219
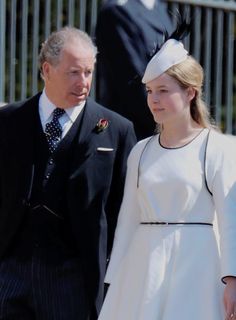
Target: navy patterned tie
53, 130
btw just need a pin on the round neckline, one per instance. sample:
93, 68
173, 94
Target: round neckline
184, 145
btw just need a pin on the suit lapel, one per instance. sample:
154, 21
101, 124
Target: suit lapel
89, 121
85, 143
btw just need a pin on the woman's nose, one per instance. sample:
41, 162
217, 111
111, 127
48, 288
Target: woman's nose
155, 98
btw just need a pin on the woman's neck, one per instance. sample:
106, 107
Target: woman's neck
179, 135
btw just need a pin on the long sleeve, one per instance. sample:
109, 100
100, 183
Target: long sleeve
127, 141
129, 215
223, 187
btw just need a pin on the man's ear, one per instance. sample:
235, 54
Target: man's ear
46, 70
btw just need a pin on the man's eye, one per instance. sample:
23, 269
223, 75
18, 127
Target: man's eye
73, 73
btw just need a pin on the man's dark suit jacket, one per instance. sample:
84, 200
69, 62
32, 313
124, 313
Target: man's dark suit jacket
95, 184
126, 36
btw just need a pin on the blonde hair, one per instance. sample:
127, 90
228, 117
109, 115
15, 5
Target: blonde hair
189, 73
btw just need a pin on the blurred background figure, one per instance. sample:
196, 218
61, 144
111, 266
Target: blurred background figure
127, 31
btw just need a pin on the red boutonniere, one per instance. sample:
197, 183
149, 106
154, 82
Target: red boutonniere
101, 125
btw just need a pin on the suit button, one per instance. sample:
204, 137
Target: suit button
51, 161
47, 176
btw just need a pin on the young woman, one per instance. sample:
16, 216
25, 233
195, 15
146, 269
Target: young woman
165, 262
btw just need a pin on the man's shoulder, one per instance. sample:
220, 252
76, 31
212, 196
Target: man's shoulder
109, 114
9, 109
13, 107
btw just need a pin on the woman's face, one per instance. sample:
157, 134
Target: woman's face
167, 100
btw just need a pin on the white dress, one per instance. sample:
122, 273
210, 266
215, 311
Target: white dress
171, 272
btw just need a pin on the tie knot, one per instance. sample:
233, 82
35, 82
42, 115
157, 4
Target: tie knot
57, 113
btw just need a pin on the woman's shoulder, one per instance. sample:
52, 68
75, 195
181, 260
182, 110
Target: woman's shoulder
222, 142
140, 145
221, 147
137, 150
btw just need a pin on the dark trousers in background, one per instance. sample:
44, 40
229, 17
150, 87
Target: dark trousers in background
42, 288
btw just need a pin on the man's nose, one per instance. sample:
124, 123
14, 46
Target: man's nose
82, 79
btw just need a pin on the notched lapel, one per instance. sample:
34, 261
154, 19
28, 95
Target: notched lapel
89, 140
89, 122
87, 132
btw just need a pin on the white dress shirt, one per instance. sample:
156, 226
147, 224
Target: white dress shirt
46, 108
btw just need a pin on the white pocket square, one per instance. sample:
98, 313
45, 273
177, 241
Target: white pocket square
104, 149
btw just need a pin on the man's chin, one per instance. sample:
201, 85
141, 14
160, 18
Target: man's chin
81, 97
78, 99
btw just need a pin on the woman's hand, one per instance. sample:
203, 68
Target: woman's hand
230, 298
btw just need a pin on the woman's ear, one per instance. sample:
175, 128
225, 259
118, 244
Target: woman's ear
191, 93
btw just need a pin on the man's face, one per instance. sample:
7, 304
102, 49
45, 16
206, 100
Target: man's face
68, 83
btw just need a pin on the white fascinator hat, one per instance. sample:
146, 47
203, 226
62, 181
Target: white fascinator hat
170, 53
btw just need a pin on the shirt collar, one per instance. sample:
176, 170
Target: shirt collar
46, 108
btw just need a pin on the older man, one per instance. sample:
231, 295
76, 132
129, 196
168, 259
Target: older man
62, 167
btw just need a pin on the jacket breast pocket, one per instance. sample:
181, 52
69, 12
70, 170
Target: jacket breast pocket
98, 167
104, 158
104, 150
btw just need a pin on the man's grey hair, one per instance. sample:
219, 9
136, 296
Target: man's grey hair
51, 49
